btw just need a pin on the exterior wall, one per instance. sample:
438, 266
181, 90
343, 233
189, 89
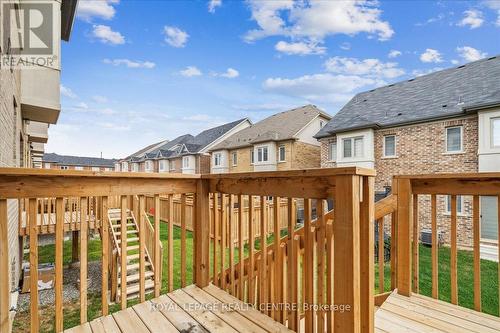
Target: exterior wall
270, 164
420, 149
202, 164
244, 158
307, 133
489, 155
177, 162
225, 163
57, 166
191, 168
305, 156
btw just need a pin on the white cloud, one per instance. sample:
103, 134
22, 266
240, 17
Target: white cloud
345, 46
431, 55
372, 68
434, 19
470, 54
175, 36
320, 87
455, 61
130, 63
312, 20
99, 99
472, 18
230, 73
300, 48
107, 36
89, 9
394, 54
191, 71
212, 4
65, 91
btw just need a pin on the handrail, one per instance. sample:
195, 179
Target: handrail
386, 206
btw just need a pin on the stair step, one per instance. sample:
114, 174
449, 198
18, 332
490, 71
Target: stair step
132, 248
130, 240
129, 232
135, 277
133, 267
118, 226
134, 289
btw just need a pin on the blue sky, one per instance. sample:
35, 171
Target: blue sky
137, 72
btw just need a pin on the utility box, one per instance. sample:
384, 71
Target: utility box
46, 277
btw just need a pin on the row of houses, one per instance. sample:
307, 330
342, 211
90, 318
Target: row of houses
446, 121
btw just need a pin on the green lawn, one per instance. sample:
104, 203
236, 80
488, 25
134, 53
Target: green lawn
465, 278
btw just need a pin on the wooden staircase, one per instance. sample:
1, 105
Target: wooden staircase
132, 255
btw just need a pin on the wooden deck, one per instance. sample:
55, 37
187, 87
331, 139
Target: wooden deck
47, 223
186, 310
423, 314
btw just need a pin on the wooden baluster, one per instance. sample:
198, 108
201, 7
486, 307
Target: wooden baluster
477, 254
215, 219
251, 244
434, 248
170, 286
183, 240
105, 254
223, 242
83, 259
278, 260
498, 238
157, 242
394, 252
33, 233
367, 249
202, 230
320, 295
59, 264
308, 266
263, 253
123, 252
453, 253
291, 268
329, 273
404, 229
381, 277
142, 250
241, 251
415, 248
5, 267
231, 245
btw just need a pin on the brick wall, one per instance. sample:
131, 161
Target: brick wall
420, 149
305, 156
202, 164
244, 160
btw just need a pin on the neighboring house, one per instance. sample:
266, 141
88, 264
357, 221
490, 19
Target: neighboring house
283, 141
185, 154
64, 162
29, 103
446, 121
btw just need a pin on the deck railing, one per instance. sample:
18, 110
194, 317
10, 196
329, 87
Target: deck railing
317, 263
423, 199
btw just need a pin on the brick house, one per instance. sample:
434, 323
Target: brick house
446, 121
283, 141
186, 154
65, 162
29, 104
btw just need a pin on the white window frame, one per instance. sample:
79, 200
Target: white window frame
234, 158
47, 166
135, 167
78, 167
107, 169
353, 147
395, 146
64, 167
171, 165
124, 167
332, 151
95, 168
284, 153
217, 159
460, 205
252, 156
261, 150
148, 166
185, 162
461, 150
492, 142
163, 165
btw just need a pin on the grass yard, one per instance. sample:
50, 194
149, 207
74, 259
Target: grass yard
489, 279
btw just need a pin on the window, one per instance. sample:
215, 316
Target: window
389, 146
47, 165
64, 167
235, 158
321, 124
148, 165
124, 166
171, 165
262, 154
95, 168
281, 154
163, 166
454, 139
135, 167
353, 147
460, 204
252, 156
185, 162
217, 159
332, 151
78, 168
495, 132
107, 169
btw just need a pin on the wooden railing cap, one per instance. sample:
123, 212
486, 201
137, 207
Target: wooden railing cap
323, 172
469, 176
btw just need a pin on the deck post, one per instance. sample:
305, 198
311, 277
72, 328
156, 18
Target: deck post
202, 234
404, 231
346, 229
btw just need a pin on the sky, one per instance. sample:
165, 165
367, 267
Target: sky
138, 72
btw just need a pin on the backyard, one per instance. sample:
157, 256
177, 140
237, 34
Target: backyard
465, 280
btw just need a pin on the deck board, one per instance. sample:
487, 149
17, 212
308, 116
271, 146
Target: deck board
423, 314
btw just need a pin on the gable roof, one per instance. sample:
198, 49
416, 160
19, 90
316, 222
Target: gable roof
185, 144
78, 160
443, 94
278, 127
